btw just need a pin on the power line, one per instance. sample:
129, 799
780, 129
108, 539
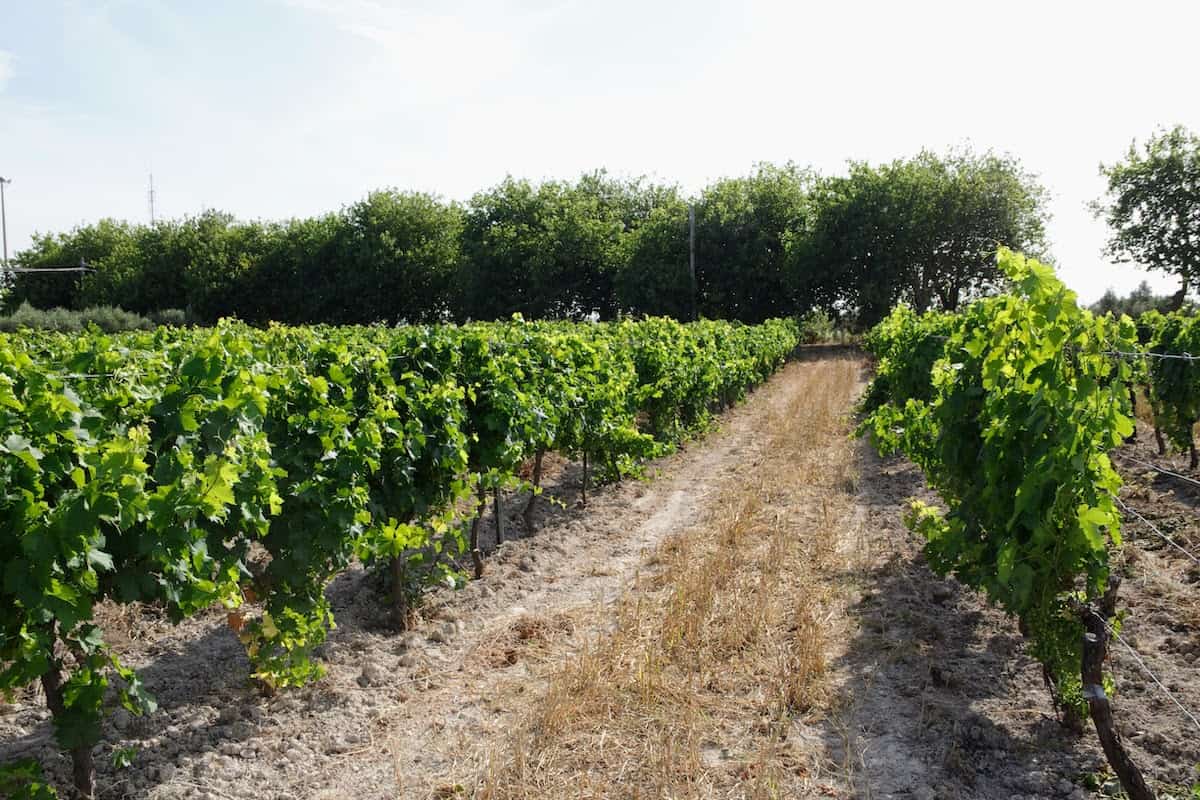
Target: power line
33, 270
83, 267
1152, 527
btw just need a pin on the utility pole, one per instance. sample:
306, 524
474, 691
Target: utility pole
150, 194
4, 219
692, 258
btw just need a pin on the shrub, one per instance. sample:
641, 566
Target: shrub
169, 317
109, 319
816, 327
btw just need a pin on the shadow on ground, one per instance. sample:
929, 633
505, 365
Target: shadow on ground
940, 699
201, 678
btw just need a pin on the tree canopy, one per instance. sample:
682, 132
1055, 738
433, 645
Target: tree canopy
780, 241
923, 230
742, 225
1136, 303
1152, 205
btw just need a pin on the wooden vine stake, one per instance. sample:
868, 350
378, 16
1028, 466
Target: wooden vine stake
400, 616
476, 553
499, 516
1132, 437
527, 514
1095, 649
585, 478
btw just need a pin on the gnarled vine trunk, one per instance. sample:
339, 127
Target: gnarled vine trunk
83, 766
1095, 649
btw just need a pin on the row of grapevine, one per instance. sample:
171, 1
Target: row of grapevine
1173, 384
152, 466
1011, 408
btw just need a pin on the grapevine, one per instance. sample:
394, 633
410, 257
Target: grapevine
186, 467
1013, 431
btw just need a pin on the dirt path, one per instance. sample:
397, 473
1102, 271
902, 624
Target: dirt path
753, 621
937, 691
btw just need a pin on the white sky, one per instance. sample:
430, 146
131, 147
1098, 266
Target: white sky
279, 108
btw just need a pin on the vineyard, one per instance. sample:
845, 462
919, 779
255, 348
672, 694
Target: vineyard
157, 468
316, 547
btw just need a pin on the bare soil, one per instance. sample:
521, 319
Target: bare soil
920, 690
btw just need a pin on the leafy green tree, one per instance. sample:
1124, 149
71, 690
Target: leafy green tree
396, 254
575, 274
923, 230
654, 278
291, 281
847, 254
742, 225
1153, 207
214, 255
551, 250
388, 258
196, 262
775, 243
1136, 303
502, 235
89, 243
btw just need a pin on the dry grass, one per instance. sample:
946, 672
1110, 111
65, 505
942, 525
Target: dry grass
715, 659
529, 635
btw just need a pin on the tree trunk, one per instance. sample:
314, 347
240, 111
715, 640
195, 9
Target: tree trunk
527, 514
83, 767
951, 303
921, 300
1194, 460
1158, 439
1095, 648
922, 291
951, 293
1178, 298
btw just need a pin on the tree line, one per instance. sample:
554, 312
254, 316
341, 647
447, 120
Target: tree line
777, 242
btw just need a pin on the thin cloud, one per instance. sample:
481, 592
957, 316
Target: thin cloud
439, 49
7, 68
